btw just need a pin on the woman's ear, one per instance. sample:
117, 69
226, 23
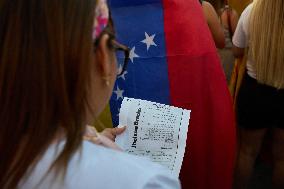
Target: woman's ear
102, 57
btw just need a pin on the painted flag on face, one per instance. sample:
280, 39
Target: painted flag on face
173, 61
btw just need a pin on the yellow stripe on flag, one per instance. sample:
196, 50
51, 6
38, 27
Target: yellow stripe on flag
104, 120
239, 5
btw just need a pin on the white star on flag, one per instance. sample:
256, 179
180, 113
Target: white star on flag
132, 54
119, 93
149, 40
123, 75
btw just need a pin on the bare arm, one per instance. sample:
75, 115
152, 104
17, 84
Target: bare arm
234, 20
238, 52
214, 24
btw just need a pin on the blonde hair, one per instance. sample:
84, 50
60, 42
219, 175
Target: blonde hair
267, 41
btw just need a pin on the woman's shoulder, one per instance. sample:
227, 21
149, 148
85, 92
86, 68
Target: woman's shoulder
94, 153
223, 12
207, 5
245, 17
247, 10
114, 169
100, 167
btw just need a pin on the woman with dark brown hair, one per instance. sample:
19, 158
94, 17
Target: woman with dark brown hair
214, 24
57, 71
229, 20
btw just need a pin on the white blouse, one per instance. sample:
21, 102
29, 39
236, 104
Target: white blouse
97, 167
241, 38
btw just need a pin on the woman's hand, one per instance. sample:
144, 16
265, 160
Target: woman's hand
109, 133
105, 138
112, 132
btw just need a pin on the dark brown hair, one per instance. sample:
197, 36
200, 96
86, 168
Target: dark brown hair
45, 68
218, 4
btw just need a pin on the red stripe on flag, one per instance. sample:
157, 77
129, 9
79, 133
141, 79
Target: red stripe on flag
197, 82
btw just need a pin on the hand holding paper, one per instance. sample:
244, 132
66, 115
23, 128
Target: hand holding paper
154, 130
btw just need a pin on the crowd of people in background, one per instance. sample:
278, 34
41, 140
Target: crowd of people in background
258, 35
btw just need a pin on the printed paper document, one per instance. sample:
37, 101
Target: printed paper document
154, 130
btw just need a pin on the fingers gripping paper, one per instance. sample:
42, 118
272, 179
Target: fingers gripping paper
154, 130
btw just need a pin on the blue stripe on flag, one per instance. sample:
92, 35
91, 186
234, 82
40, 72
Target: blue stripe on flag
141, 28
126, 3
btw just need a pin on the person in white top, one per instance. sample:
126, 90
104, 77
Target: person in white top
58, 69
260, 102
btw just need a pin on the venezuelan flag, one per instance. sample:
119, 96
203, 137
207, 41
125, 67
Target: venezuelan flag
174, 61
